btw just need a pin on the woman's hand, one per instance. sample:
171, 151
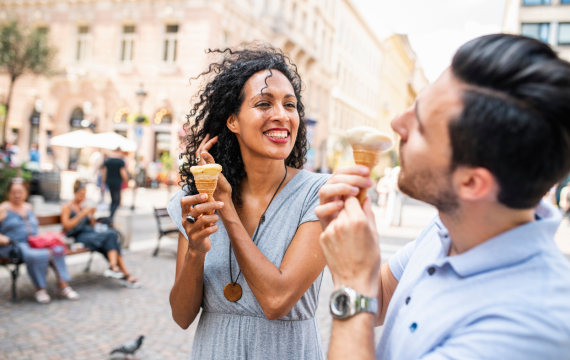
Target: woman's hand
346, 181
4, 240
223, 189
199, 232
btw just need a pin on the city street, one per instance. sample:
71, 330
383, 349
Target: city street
108, 314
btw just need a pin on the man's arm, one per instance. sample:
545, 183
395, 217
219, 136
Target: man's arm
124, 175
103, 176
351, 247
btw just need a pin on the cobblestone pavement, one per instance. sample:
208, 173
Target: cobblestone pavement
108, 314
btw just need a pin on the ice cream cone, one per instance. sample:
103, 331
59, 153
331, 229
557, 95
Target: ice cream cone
206, 180
367, 146
368, 158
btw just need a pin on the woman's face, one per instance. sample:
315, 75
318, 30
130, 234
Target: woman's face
267, 123
17, 194
80, 195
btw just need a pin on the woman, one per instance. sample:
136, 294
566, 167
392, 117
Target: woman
251, 121
17, 223
78, 222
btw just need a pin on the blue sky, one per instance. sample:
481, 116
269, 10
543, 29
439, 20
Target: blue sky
436, 28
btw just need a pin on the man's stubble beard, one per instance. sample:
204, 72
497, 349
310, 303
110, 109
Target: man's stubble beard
428, 186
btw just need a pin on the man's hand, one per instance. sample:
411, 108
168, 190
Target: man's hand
351, 247
346, 181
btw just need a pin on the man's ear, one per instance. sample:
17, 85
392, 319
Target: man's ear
233, 124
473, 184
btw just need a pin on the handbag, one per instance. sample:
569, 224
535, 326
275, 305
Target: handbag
50, 240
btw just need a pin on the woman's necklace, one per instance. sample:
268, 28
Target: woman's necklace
232, 291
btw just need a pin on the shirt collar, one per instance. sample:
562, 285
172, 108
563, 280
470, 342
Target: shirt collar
505, 249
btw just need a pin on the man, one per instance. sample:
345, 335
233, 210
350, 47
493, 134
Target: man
113, 174
485, 279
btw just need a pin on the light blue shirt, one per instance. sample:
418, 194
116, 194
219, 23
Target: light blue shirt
507, 298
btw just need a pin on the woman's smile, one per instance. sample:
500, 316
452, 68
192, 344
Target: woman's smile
277, 135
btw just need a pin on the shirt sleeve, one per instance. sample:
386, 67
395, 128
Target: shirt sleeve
312, 201
400, 259
175, 211
505, 336
122, 163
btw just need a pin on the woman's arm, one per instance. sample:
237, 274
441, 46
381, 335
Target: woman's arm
186, 294
277, 289
69, 223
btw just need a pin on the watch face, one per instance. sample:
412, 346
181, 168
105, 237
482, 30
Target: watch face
342, 304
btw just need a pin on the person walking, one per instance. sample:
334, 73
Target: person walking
485, 279
113, 175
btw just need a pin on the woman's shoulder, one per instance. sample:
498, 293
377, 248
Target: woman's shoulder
312, 178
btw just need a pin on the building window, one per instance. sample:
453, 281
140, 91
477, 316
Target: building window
564, 34
83, 37
537, 31
163, 116
536, 2
170, 44
128, 43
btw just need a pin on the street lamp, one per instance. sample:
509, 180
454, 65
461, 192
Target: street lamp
141, 95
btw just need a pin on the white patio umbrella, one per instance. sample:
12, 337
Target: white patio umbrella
75, 139
112, 141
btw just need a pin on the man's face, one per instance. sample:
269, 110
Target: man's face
425, 149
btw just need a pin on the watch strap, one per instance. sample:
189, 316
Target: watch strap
366, 304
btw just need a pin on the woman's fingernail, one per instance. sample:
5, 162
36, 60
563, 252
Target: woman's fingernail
364, 170
339, 203
221, 203
204, 155
204, 196
368, 182
355, 190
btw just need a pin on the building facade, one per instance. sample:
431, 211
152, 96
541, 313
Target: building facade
545, 20
111, 52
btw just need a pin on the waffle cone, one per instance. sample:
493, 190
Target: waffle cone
207, 186
369, 158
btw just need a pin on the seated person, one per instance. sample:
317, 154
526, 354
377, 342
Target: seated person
78, 222
17, 223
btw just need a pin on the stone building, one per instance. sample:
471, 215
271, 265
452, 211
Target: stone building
111, 50
545, 20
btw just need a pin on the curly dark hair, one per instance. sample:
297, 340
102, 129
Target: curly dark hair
223, 96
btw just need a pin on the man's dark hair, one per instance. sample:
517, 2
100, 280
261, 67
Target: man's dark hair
516, 116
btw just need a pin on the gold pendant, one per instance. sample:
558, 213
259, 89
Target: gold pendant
232, 292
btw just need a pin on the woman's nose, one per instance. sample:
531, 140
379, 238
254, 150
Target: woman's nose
279, 113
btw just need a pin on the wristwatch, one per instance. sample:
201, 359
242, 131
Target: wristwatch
346, 302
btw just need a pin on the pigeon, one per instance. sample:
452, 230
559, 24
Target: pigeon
129, 347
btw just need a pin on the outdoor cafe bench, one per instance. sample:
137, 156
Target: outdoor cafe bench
13, 265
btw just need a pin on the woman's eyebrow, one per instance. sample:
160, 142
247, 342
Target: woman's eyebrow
271, 95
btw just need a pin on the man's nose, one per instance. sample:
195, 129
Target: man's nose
399, 126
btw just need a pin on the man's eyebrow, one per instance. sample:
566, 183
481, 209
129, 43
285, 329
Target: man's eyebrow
418, 117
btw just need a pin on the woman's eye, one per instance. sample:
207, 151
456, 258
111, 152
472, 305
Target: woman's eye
263, 104
291, 105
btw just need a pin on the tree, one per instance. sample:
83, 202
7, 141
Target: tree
23, 50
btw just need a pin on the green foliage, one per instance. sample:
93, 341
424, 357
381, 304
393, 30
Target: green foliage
7, 172
166, 161
24, 49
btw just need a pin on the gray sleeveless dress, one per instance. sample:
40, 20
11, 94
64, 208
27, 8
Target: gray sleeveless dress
240, 330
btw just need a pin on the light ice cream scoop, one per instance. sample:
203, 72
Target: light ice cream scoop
367, 146
206, 171
369, 137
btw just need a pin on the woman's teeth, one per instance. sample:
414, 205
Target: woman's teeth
277, 134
